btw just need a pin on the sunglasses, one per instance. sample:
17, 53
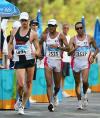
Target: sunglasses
52, 25
34, 24
77, 28
24, 20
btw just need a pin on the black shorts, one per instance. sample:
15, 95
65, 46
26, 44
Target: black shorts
65, 69
24, 64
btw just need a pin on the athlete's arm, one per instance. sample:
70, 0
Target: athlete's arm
34, 39
95, 46
93, 43
10, 44
64, 41
42, 40
72, 45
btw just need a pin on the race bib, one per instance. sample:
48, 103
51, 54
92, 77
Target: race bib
82, 51
79, 54
21, 49
53, 53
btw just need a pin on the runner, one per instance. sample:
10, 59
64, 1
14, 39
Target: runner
82, 58
24, 58
65, 60
34, 24
52, 61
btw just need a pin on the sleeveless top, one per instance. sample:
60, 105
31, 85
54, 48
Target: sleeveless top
82, 53
65, 57
53, 53
22, 47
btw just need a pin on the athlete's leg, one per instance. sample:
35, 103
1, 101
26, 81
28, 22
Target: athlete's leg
85, 73
20, 75
77, 84
85, 86
77, 89
57, 82
29, 78
49, 82
63, 75
48, 75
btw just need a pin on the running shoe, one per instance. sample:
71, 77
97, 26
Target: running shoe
51, 107
21, 110
56, 101
17, 104
85, 101
79, 106
88, 90
65, 94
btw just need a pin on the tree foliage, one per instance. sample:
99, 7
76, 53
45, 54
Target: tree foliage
68, 11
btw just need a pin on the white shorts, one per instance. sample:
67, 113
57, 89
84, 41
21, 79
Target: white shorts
80, 66
78, 69
54, 64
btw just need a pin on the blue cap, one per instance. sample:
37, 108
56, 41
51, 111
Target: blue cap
33, 21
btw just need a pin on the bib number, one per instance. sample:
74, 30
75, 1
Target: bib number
79, 54
21, 49
53, 54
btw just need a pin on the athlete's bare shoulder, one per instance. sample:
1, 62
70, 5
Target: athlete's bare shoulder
90, 38
14, 31
33, 32
44, 36
72, 39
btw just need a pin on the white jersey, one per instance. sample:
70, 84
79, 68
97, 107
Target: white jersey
81, 55
52, 53
66, 58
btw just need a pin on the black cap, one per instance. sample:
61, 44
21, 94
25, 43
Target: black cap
34, 22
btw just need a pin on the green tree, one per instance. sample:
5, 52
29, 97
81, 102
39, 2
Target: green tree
63, 10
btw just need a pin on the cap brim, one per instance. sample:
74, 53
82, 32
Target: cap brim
23, 18
52, 24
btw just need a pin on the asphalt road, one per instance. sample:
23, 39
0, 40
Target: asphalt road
66, 109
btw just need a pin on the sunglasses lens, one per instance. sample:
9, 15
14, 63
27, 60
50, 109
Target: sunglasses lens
77, 28
23, 20
34, 25
51, 25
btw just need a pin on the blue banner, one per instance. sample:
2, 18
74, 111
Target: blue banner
97, 33
83, 22
8, 9
39, 19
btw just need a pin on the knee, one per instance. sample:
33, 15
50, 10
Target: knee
20, 85
29, 83
49, 85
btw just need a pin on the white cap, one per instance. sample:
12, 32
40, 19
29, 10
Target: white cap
24, 15
16, 24
52, 22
